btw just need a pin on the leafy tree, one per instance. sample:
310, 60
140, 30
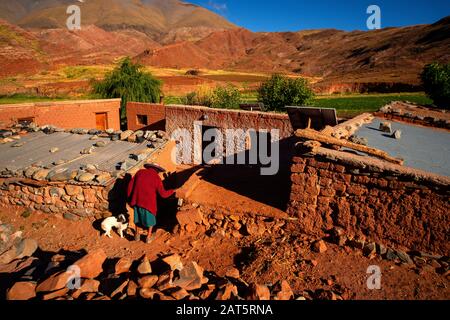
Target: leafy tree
436, 82
226, 97
280, 91
130, 83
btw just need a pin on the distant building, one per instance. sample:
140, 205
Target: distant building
98, 114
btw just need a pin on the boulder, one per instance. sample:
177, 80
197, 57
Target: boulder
88, 285
91, 265
319, 246
55, 282
125, 135
174, 261
41, 174
285, 292
144, 266
228, 292
386, 127
22, 291
191, 277
258, 292
20, 249
148, 293
147, 281
122, 266
86, 177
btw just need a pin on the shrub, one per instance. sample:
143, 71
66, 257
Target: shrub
280, 91
203, 96
130, 83
226, 97
436, 82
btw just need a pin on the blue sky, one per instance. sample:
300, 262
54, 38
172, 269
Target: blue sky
294, 15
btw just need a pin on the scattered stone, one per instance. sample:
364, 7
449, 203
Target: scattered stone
22, 291
100, 144
180, 294
88, 150
174, 261
397, 134
148, 293
359, 140
191, 277
233, 273
132, 288
228, 292
144, 267
31, 171
86, 177
404, 257
88, 286
259, 293
55, 294
120, 289
125, 135
386, 127
285, 292
391, 255
319, 246
62, 176
369, 249
110, 131
103, 177
147, 281
91, 265
122, 266
18, 144
54, 282
54, 150
41, 174
69, 216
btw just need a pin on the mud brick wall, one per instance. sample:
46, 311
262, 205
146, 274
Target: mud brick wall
156, 116
404, 210
71, 201
64, 114
185, 117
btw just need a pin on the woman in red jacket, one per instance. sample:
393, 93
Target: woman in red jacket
142, 194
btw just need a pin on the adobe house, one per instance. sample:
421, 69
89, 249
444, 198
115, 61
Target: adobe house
93, 114
146, 116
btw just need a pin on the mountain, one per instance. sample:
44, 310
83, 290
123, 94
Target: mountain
155, 18
387, 55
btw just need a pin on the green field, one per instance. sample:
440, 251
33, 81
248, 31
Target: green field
346, 105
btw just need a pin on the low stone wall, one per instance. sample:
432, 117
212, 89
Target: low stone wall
73, 202
416, 114
370, 199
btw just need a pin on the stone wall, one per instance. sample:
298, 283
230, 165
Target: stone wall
155, 115
63, 114
370, 199
73, 202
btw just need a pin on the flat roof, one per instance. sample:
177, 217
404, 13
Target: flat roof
37, 147
422, 148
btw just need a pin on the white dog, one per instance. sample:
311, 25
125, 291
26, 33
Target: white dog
118, 223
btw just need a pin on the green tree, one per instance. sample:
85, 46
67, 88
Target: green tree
436, 82
226, 97
130, 83
280, 91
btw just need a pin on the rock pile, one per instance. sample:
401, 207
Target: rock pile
95, 277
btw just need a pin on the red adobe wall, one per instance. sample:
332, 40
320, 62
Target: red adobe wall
156, 116
369, 198
64, 114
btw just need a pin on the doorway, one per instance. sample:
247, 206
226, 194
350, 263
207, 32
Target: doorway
101, 120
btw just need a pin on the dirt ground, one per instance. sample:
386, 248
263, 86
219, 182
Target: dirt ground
262, 260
